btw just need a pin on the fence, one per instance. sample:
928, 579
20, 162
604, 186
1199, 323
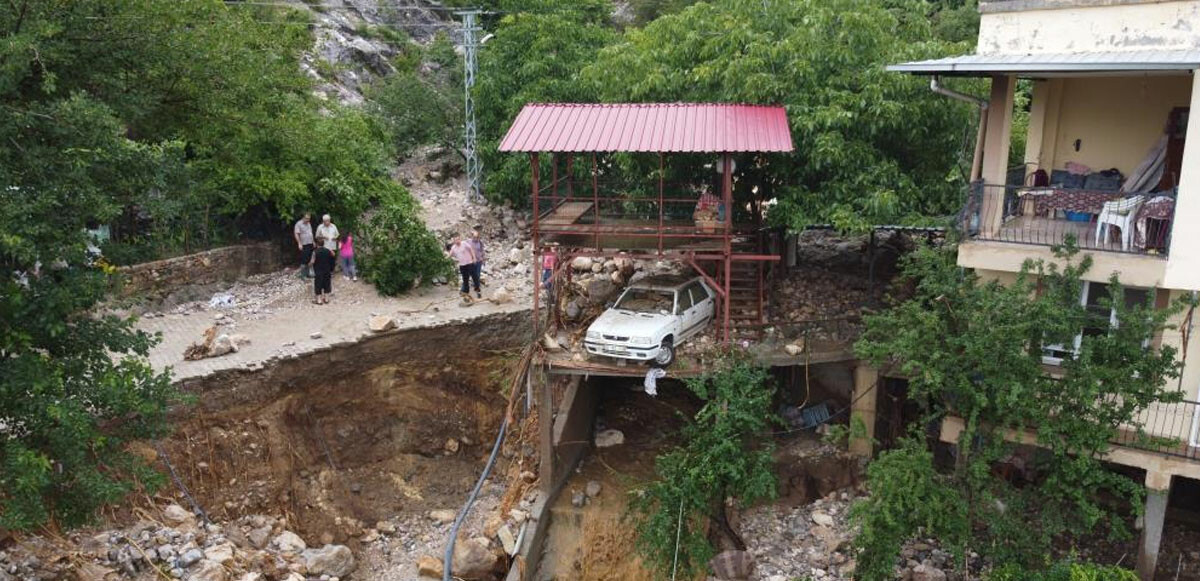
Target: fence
1166, 428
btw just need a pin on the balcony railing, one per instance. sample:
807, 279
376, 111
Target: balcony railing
1096, 220
1166, 428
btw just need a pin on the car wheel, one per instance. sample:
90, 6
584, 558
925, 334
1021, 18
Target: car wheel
666, 354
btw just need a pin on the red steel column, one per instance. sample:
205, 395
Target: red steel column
595, 206
537, 271
570, 176
660, 204
727, 196
554, 179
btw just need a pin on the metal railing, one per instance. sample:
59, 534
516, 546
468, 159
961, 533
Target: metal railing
1165, 428
1051, 216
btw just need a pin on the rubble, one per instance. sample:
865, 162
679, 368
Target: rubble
608, 438
381, 323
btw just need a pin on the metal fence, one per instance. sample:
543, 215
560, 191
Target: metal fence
1166, 428
1052, 216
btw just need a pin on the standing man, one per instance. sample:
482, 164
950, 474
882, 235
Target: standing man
463, 253
329, 232
303, 234
477, 246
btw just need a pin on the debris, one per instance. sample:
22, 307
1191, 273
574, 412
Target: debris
578, 499
429, 567
501, 296
289, 542
593, 489
451, 446
472, 559
443, 515
315, 335
222, 301
732, 565
651, 383
822, 519
507, 540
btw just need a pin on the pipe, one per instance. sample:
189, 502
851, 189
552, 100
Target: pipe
448, 558
935, 85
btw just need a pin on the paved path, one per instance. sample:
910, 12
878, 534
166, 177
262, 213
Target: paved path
275, 311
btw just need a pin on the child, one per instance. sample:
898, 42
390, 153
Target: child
346, 254
549, 261
322, 263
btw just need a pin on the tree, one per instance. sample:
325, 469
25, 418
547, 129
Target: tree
398, 251
871, 146
725, 455
535, 57
973, 349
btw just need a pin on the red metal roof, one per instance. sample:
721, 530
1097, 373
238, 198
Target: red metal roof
649, 127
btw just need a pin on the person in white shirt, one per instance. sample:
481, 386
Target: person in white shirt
329, 232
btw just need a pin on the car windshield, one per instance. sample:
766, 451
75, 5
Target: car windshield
640, 300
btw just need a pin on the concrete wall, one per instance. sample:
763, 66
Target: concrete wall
1116, 119
1183, 264
1033, 27
162, 277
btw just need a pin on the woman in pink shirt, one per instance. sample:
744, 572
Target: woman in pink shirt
549, 261
463, 253
346, 257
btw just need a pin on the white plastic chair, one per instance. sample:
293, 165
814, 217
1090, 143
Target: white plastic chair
1119, 213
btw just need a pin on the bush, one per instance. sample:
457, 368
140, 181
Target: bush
398, 252
1066, 570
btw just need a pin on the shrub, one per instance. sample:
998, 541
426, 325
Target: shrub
1066, 570
398, 252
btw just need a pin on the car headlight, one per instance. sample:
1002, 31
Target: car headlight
593, 335
640, 340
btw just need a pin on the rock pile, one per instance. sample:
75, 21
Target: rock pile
254, 548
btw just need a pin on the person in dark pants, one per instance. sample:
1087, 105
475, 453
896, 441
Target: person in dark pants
303, 234
463, 253
477, 246
322, 263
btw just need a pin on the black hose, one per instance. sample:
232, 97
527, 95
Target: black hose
448, 558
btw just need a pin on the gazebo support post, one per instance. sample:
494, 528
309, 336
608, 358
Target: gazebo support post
727, 196
533, 171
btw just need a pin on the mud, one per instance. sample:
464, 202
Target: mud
338, 440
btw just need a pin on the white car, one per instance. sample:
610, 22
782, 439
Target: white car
651, 318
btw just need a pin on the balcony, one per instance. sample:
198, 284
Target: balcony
1171, 429
1107, 221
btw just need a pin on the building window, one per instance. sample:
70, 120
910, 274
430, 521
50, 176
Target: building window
1100, 318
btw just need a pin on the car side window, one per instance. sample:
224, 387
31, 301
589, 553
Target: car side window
699, 295
685, 301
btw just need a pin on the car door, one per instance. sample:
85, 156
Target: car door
699, 310
683, 307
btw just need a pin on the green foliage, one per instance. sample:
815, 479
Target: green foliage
973, 349
871, 146
218, 86
1067, 570
74, 385
726, 454
398, 252
534, 57
419, 108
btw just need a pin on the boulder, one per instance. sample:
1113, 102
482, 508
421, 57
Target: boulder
599, 290
381, 323
592, 489
222, 345
574, 310
332, 560
925, 572
795, 348
289, 542
207, 570
597, 268
473, 560
260, 537
617, 278
582, 264
502, 296
444, 515
515, 255
190, 557
176, 515
508, 541
451, 446
607, 438
222, 553
732, 565
822, 519
429, 567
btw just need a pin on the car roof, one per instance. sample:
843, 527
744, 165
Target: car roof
668, 282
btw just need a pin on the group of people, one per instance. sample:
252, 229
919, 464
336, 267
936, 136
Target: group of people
320, 251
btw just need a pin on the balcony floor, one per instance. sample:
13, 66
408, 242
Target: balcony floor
1050, 231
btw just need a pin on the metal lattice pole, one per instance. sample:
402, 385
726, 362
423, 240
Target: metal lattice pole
470, 151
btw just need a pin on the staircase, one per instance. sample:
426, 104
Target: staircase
747, 295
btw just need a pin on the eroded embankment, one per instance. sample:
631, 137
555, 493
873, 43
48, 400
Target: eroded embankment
350, 435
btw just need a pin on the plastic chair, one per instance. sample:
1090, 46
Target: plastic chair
1119, 213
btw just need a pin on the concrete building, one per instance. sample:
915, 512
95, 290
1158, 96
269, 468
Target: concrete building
1111, 85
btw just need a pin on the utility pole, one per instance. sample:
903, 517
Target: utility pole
470, 28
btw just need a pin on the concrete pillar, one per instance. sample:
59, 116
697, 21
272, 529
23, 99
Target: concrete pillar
862, 410
545, 405
995, 151
1158, 486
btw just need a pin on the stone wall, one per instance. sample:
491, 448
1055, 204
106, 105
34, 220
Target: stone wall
158, 279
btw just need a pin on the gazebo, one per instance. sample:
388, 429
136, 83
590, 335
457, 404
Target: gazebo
694, 222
